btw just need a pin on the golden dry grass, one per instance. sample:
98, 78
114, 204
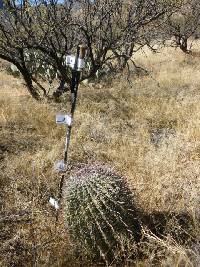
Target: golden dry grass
150, 132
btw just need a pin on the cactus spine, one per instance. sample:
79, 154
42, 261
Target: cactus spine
99, 211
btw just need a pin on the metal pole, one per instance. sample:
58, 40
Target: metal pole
74, 90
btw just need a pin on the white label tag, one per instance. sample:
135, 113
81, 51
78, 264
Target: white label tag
81, 64
64, 119
70, 60
54, 203
60, 166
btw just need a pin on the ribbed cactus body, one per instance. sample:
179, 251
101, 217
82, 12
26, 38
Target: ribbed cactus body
99, 211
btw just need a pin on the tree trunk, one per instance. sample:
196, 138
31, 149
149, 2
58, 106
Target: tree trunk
60, 91
32, 90
29, 83
182, 42
25, 73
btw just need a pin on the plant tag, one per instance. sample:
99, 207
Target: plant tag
54, 203
60, 166
81, 64
70, 61
64, 119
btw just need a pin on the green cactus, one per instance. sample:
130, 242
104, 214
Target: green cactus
100, 214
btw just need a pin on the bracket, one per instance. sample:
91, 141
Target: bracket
60, 166
64, 119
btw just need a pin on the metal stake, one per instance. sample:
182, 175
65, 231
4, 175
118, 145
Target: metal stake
74, 90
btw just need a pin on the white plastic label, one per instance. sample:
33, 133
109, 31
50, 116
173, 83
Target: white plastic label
81, 64
60, 166
70, 61
54, 203
64, 119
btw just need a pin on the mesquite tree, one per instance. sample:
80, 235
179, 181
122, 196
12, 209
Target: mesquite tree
36, 36
184, 24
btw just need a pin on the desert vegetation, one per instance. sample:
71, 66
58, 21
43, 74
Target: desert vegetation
37, 36
131, 191
148, 132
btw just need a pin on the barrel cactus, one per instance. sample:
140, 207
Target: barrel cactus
100, 213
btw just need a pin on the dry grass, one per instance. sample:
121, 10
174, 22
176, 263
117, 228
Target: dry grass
149, 132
